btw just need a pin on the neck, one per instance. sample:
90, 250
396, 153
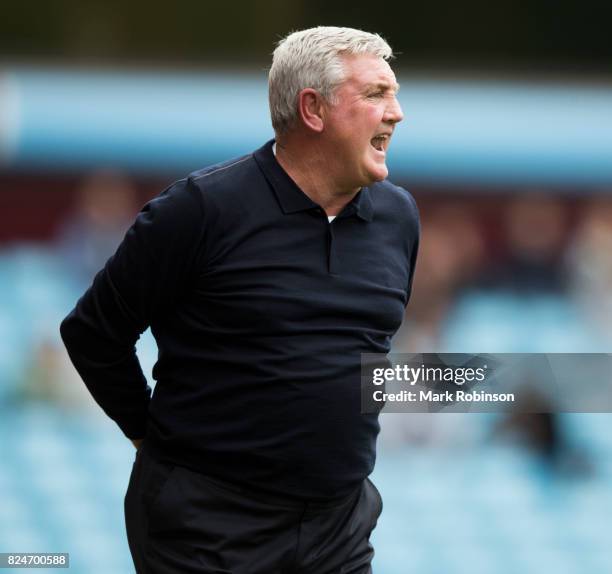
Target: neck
307, 164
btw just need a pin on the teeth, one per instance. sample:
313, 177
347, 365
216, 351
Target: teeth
377, 141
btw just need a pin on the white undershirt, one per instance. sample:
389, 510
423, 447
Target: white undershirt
330, 218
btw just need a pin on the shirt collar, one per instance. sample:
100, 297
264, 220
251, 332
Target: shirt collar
292, 199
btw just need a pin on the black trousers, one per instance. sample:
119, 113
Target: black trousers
181, 522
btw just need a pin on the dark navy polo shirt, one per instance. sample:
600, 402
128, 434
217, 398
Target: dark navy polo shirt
260, 308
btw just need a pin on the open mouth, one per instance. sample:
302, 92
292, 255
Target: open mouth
380, 142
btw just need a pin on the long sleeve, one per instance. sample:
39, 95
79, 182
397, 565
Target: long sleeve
415, 247
146, 277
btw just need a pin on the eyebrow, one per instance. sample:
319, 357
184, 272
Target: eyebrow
384, 86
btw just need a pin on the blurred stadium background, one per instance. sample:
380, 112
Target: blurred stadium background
507, 146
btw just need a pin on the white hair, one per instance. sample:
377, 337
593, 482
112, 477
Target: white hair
313, 59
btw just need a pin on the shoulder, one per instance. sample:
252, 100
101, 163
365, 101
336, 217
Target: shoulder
177, 205
393, 199
221, 170
215, 178
225, 187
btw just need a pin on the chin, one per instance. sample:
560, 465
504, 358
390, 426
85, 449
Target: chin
378, 173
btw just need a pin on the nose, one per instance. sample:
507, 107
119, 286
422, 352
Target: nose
393, 112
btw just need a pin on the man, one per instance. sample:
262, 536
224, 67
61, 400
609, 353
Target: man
263, 280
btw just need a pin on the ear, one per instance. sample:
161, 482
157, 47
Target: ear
311, 109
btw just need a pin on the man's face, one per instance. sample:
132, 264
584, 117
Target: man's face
359, 125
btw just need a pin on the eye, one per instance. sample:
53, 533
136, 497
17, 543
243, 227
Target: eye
379, 94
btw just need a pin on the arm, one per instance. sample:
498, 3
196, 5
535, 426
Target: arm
415, 247
143, 280
137, 442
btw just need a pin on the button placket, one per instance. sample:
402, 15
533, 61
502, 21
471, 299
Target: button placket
332, 266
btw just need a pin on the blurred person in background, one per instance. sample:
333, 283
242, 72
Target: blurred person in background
535, 227
449, 261
590, 267
105, 207
263, 280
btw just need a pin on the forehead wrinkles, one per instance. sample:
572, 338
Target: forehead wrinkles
366, 71
355, 88
386, 85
